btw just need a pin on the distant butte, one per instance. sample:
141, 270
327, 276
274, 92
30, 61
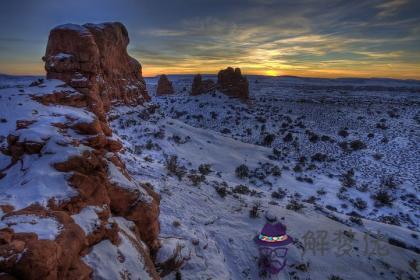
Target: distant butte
231, 82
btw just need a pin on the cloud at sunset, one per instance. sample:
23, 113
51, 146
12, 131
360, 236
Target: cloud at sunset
308, 38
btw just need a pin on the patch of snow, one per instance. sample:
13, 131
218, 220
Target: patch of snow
109, 261
45, 227
88, 219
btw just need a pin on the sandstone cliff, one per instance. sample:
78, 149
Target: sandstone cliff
93, 59
69, 209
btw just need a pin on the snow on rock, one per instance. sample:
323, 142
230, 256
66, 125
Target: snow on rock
122, 261
88, 219
44, 227
54, 185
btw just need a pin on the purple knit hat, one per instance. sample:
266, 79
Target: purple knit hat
273, 235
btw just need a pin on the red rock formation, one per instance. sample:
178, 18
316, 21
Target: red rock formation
200, 87
31, 258
93, 59
164, 86
232, 83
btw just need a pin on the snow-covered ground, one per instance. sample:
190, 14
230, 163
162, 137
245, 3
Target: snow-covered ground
363, 135
189, 150
207, 216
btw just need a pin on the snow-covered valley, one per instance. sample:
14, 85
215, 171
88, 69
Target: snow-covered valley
306, 180
221, 166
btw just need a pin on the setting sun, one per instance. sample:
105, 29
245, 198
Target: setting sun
271, 73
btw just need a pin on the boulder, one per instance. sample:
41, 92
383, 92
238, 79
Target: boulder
93, 59
200, 86
164, 86
231, 82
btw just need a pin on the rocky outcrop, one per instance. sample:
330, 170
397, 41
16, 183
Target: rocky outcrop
200, 86
164, 86
93, 59
231, 82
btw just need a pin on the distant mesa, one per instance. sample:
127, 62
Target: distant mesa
93, 59
200, 86
231, 82
164, 86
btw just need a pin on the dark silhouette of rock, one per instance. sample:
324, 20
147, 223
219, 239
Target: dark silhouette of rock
200, 86
164, 86
93, 59
232, 83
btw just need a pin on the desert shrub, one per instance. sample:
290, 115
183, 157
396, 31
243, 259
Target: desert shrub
397, 243
241, 189
359, 203
196, 179
149, 145
137, 150
288, 137
204, 169
311, 166
321, 191
357, 145
325, 138
382, 198
242, 171
319, 157
276, 152
347, 179
335, 277
356, 220
311, 199
279, 194
377, 156
343, 133
297, 168
381, 125
389, 182
276, 171
160, 134
302, 159
222, 191
174, 168
389, 219
294, 205
268, 139
255, 210
225, 131
313, 137
308, 180
331, 208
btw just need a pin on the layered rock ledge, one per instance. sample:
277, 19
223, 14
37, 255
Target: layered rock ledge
69, 209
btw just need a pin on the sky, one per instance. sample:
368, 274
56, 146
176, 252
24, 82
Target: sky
317, 38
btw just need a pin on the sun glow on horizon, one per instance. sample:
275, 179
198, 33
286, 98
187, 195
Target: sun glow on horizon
271, 72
